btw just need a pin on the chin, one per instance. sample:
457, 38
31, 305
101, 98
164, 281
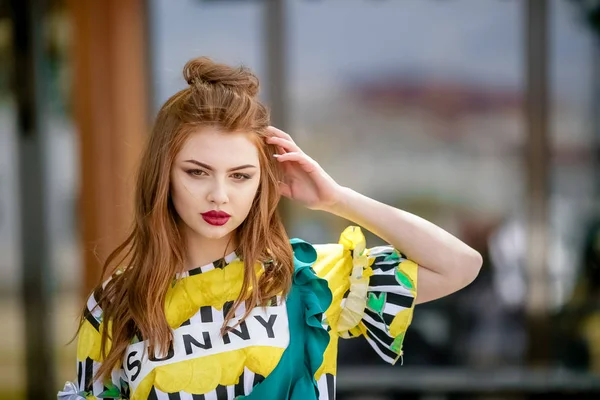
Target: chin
215, 235
214, 232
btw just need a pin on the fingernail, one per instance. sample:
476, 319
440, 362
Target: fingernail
276, 155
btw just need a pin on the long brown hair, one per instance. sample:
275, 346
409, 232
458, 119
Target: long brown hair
134, 300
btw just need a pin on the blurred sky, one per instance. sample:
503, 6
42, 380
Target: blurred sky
335, 41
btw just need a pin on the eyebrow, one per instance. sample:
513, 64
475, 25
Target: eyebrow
208, 167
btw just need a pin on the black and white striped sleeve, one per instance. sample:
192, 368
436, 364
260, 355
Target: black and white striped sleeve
384, 296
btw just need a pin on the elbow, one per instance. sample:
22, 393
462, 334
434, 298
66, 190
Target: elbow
470, 267
457, 275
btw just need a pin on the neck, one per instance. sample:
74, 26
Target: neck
201, 250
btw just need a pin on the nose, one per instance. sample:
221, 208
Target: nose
218, 193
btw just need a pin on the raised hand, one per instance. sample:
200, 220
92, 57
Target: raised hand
304, 179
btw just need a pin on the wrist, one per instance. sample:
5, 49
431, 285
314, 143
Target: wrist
341, 199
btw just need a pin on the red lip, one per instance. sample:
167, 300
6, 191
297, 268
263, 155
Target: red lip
216, 214
216, 218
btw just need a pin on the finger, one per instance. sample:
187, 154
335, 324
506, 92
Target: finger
307, 163
279, 133
285, 144
274, 146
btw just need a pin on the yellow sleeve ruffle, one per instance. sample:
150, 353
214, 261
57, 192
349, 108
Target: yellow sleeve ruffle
373, 292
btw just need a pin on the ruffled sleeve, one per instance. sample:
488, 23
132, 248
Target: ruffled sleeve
89, 361
373, 291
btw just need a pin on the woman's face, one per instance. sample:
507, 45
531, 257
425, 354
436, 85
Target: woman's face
214, 180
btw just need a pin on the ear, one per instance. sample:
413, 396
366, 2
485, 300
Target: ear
285, 190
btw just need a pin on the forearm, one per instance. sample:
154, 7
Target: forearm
423, 242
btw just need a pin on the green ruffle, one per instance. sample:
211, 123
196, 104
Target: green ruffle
294, 376
316, 298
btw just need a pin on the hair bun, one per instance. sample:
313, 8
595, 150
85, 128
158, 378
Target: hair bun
204, 70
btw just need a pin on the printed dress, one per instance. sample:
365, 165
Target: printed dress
285, 350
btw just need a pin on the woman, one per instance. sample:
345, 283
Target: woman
209, 299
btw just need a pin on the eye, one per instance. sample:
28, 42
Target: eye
240, 176
195, 172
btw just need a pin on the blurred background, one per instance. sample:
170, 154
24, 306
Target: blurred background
479, 115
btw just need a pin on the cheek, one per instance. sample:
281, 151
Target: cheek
187, 189
182, 196
249, 196
176, 199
